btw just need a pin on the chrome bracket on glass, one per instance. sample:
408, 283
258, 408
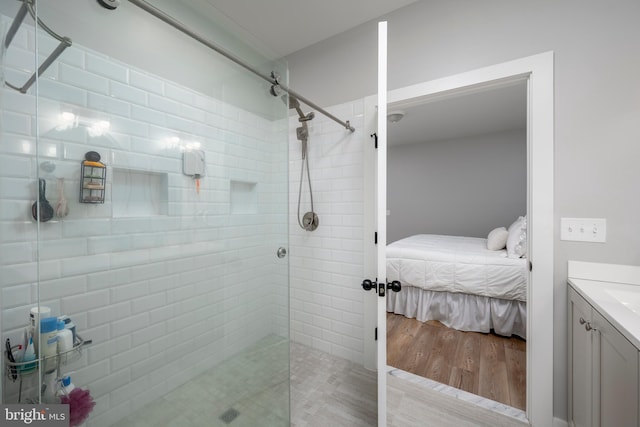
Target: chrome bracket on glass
65, 42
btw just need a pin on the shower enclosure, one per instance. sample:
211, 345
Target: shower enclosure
166, 169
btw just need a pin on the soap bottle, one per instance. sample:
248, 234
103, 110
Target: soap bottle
65, 341
68, 324
65, 386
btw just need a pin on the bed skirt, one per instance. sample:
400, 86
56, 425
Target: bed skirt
463, 312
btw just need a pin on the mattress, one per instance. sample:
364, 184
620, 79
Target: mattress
456, 264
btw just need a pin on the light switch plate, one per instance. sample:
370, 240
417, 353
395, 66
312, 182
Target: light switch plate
583, 229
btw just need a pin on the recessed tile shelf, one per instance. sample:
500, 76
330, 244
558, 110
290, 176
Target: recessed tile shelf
244, 197
139, 193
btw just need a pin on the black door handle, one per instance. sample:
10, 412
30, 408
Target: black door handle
395, 286
381, 288
367, 284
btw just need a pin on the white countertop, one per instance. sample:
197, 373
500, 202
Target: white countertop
626, 321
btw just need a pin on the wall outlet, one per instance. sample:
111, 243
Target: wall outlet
583, 229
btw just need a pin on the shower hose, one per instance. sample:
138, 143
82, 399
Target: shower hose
305, 162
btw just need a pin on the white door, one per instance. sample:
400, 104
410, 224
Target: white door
381, 223
375, 190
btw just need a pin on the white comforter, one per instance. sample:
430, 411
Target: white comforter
456, 264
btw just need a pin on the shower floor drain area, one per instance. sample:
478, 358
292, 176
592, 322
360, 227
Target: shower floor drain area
229, 415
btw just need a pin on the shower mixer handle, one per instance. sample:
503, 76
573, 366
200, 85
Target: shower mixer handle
282, 252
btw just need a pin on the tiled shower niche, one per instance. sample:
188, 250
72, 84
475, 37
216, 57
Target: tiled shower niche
139, 193
243, 197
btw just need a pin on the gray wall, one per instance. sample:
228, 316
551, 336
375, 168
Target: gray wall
462, 187
597, 103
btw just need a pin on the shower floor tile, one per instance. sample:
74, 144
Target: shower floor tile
325, 390
329, 391
254, 383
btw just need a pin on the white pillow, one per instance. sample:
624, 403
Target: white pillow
497, 239
517, 239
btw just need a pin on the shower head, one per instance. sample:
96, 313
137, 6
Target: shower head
295, 104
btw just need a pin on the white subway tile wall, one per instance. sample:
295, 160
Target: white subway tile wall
326, 265
163, 297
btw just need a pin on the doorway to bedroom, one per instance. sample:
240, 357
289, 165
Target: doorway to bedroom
456, 188
537, 73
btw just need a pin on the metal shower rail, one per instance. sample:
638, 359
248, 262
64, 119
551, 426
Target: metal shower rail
65, 42
142, 4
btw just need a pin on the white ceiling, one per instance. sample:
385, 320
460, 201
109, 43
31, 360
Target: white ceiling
286, 26
489, 111
281, 27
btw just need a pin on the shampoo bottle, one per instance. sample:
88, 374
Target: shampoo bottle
35, 315
28, 356
48, 343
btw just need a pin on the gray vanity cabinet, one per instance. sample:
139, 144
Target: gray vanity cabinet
603, 370
580, 362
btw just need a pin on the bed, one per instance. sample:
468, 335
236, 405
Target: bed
459, 282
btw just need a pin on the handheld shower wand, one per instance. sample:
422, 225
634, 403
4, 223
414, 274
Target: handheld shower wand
310, 220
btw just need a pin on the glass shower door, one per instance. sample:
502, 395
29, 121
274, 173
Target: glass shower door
165, 254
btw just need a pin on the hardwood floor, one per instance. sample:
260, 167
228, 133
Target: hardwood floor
487, 365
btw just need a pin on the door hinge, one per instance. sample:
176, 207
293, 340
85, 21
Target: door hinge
375, 135
376, 334
375, 238
530, 266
